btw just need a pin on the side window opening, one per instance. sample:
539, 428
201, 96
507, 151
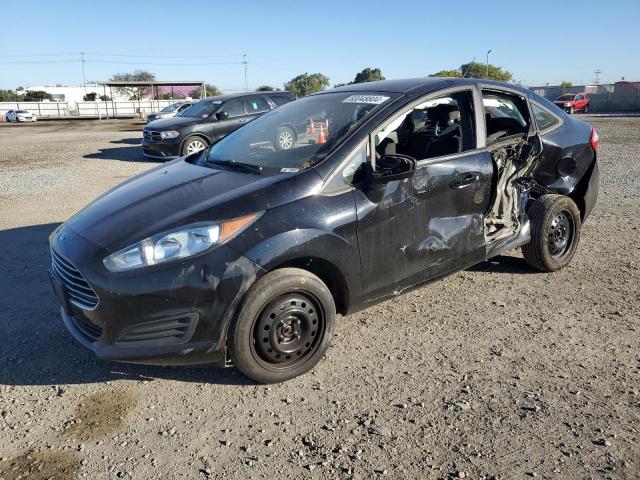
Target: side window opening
544, 119
435, 128
505, 115
256, 105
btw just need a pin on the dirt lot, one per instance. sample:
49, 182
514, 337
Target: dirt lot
495, 372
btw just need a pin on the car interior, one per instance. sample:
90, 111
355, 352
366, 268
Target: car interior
439, 127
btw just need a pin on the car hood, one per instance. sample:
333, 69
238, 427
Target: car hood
180, 193
174, 122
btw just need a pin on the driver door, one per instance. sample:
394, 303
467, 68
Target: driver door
430, 224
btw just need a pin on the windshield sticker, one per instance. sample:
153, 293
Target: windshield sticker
289, 170
368, 99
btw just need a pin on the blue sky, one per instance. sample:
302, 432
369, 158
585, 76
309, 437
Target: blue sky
539, 42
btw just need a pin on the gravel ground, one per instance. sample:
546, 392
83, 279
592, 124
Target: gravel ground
494, 372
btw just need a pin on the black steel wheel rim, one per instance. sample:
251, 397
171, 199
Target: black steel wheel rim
561, 234
288, 331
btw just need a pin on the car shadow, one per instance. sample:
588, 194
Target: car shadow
36, 349
128, 141
122, 154
503, 264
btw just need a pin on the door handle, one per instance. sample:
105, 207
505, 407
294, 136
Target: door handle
465, 179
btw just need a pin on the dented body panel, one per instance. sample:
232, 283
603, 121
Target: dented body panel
453, 212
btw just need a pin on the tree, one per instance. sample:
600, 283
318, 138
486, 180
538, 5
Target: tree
134, 93
266, 88
566, 85
37, 96
90, 97
476, 70
306, 84
368, 75
447, 73
8, 96
105, 98
212, 91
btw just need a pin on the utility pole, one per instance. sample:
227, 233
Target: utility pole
488, 52
597, 72
84, 79
244, 62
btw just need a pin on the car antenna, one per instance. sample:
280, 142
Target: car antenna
469, 67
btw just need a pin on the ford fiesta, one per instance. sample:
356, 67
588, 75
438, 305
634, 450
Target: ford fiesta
243, 253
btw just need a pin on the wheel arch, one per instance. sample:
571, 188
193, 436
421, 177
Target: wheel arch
329, 273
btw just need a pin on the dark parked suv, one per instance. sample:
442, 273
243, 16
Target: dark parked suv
207, 121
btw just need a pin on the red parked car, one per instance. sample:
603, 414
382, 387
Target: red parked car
572, 102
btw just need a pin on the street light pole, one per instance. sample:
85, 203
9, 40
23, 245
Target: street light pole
488, 52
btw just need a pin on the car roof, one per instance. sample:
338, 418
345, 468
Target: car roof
418, 85
229, 96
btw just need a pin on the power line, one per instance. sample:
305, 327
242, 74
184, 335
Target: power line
37, 62
165, 64
125, 55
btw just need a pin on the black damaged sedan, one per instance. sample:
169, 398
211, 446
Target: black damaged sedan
243, 253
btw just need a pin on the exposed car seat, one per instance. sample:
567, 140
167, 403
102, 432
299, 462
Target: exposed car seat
441, 135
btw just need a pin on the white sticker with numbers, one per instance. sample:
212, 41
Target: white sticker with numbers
368, 99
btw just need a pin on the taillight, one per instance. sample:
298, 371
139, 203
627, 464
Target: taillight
595, 140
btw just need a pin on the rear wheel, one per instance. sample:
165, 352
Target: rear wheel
283, 327
586, 108
193, 145
555, 233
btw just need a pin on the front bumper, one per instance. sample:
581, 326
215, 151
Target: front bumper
165, 150
171, 314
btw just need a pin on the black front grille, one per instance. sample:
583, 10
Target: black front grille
152, 135
80, 292
164, 331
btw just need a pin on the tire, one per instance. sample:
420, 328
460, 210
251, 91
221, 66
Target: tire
285, 139
283, 326
586, 109
571, 110
193, 145
555, 233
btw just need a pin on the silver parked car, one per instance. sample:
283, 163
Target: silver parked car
169, 111
19, 116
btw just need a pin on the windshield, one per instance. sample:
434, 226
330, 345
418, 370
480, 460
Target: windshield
171, 108
566, 98
201, 109
299, 134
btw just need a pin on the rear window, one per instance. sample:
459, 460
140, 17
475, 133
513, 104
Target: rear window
280, 99
544, 118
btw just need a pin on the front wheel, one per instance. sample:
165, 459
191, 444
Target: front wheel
555, 233
283, 327
571, 110
193, 145
586, 109
285, 139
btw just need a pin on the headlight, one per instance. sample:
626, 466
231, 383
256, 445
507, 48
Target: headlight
169, 134
567, 104
180, 243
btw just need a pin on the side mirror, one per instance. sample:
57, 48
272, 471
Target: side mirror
393, 167
222, 115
